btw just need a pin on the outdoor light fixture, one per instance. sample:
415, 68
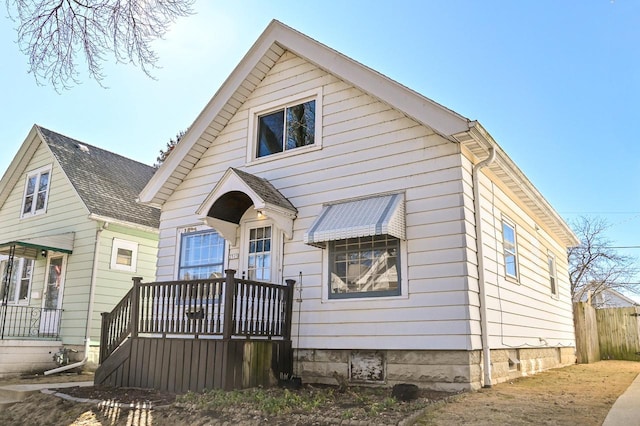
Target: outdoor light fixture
261, 214
43, 253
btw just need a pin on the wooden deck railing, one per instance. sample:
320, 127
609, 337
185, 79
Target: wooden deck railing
199, 308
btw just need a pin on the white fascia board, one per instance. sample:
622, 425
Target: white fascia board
479, 135
124, 223
442, 120
13, 174
422, 109
208, 114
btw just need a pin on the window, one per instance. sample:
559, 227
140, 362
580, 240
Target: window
510, 250
20, 281
364, 266
36, 192
259, 259
124, 255
201, 255
285, 129
553, 280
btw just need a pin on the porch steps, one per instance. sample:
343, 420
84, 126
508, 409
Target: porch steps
13, 394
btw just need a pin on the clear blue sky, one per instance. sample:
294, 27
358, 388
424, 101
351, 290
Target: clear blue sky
556, 83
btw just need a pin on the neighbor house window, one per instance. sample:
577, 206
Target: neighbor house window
510, 249
19, 282
364, 267
36, 192
553, 280
124, 255
201, 255
285, 129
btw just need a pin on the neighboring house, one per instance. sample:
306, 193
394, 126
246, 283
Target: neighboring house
607, 298
421, 252
71, 238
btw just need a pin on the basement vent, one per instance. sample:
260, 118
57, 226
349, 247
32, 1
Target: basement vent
367, 367
514, 362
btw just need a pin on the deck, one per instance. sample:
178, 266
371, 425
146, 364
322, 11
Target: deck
179, 336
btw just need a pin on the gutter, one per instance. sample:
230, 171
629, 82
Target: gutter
484, 321
108, 220
92, 291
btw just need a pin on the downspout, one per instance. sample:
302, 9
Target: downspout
484, 321
92, 291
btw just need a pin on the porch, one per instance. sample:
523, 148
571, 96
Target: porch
220, 333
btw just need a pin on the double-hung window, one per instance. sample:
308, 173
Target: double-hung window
19, 282
510, 249
553, 279
36, 192
201, 255
364, 266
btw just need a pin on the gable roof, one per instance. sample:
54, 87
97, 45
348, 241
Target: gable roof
266, 51
263, 55
107, 183
242, 190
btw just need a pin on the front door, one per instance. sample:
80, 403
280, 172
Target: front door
53, 291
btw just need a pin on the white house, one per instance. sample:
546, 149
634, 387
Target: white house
421, 252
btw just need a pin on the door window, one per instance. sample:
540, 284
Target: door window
259, 257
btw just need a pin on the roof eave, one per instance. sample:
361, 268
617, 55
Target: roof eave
13, 174
478, 140
424, 110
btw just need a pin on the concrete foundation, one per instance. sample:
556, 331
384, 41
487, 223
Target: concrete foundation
438, 370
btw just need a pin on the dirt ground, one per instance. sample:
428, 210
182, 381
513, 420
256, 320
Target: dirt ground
579, 394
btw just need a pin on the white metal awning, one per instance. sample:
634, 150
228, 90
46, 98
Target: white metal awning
380, 215
31, 247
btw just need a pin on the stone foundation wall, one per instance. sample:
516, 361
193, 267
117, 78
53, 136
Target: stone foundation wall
508, 364
438, 370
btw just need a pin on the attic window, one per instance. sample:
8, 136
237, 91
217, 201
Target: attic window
285, 127
36, 192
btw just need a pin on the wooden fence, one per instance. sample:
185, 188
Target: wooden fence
619, 333
611, 333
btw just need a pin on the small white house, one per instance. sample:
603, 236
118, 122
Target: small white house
421, 252
71, 238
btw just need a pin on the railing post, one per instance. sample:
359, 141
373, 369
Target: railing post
229, 295
288, 314
135, 306
104, 338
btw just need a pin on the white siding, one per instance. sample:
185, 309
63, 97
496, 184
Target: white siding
367, 148
523, 312
65, 213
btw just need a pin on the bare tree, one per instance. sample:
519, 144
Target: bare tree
53, 33
596, 265
170, 146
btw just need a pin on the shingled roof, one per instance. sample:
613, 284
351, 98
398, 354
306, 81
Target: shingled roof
107, 183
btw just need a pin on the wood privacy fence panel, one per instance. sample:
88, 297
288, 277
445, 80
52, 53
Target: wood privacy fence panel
586, 327
619, 333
